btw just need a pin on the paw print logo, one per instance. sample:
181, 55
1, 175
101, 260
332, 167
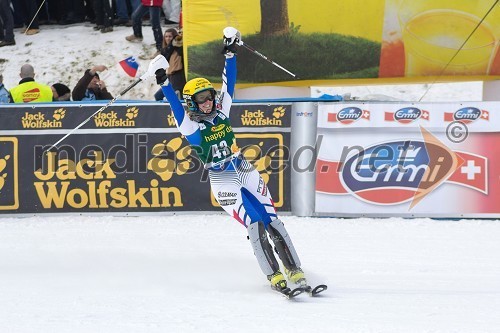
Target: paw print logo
3, 176
235, 148
132, 113
278, 112
166, 167
253, 153
59, 114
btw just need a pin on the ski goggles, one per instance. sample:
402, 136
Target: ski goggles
203, 96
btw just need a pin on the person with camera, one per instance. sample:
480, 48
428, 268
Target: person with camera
90, 87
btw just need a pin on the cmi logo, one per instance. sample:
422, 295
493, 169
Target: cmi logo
407, 115
348, 115
395, 172
467, 115
9, 189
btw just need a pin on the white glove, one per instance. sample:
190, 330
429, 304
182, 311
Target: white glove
159, 62
232, 35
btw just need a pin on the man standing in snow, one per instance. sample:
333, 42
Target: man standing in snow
154, 9
6, 24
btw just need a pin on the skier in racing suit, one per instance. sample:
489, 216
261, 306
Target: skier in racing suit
236, 184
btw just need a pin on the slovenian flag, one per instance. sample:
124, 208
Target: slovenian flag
130, 66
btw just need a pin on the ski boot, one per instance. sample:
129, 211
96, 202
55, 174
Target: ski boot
278, 281
296, 276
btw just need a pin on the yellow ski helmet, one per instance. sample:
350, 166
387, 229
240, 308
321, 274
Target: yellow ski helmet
191, 88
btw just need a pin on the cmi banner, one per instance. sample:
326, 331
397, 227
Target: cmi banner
409, 159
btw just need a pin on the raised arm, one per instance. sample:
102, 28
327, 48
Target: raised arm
229, 75
186, 126
228, 83
173, 100
232, 38
157, 68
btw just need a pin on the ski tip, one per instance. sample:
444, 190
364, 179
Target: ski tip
295, 292
318, 289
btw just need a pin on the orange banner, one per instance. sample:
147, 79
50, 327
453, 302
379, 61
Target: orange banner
348, 42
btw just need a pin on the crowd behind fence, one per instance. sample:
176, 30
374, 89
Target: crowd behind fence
29, 16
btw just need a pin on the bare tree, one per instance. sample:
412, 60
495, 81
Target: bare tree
274, 17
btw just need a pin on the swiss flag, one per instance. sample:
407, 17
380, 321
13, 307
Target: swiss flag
472, 173
485, 115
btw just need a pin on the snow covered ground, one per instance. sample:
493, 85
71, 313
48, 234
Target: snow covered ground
197, 273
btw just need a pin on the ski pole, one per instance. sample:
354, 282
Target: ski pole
93, 114
251, 49
33, 18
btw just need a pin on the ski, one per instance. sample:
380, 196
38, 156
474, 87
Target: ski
290, 293
314, 291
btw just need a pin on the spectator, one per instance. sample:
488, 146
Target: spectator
60, 92
103, 16
29, 8
88, 10
90, 87
29, 91
172, 51
122, 13
49, 11
17, 13
4, 93
73, 11
172, 11
154, 9
6, 24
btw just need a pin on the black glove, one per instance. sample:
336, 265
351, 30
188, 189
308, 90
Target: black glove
231, 38
161, 76
230, 45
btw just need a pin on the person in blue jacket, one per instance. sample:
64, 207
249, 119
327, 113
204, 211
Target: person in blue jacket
4, 93
236, 184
